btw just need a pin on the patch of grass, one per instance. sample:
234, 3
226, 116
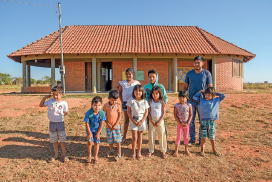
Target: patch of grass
28, 128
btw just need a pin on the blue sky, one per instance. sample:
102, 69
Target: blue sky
244, 23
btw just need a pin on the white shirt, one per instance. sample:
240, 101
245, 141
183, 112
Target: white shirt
56, 110
156, 109
127, 89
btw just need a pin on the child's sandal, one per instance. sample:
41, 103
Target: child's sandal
89, 160
149, 154
164, 156
132, 157
96, 161
65, 159
52, 159
202, 154
139, 158
218, 154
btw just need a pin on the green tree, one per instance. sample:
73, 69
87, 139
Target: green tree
40, 82
17, 80
46, 79
33, 81
6, 78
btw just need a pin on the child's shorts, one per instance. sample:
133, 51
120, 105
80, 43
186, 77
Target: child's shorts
207, 129
114, 136
124, 106
93, 138
57, 132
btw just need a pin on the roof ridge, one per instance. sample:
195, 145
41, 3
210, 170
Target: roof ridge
206, 38
141, 25
229, 42
66, 28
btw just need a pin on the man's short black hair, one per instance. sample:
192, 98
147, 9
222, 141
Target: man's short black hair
200, 58
183, 93
114, 94
152, 71
97, 99
58, 89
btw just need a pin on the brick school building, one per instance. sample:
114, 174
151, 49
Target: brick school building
96, 56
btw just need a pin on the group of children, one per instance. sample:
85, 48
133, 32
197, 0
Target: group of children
144, 108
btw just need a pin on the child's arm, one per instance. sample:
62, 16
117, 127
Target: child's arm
89, 136
144, 117
176, 116
149, 116
106, 121
198, 96
190, 116
99, 130
120, 93
221, 96
43, 100
163, 114
130, 116
118, 121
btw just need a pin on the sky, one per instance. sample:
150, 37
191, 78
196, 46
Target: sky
247, 24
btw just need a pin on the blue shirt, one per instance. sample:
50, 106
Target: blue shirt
209, 109
197, 81
94, 124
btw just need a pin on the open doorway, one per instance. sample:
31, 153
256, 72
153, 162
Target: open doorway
106, 76
209, 66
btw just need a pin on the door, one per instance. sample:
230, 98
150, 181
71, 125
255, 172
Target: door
88, 77
106, 77
209, 66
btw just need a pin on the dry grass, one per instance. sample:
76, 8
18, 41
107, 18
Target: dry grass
244, 136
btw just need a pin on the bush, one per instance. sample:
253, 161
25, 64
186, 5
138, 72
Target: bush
5, 78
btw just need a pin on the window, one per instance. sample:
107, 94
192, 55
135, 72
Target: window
237, 68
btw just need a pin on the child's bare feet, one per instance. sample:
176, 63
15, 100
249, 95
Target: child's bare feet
175, 154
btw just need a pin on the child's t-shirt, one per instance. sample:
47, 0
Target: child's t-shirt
95, 122
156, 109
112, 112
137, 107
127, 89
183, 112
56, 110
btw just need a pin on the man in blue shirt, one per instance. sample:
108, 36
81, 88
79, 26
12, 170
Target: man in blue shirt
196, 80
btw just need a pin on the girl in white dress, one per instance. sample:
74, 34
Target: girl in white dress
137, 110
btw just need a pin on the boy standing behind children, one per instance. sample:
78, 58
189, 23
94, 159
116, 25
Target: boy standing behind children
113, 111
94, 119
57, 109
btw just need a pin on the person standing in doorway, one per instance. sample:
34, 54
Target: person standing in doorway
196, 80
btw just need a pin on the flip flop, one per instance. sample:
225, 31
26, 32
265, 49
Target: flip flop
52, 159
218, 154
96, 161
140, 158
132, 157
202, 154
89, 160
65, 159
149, 154
164, 156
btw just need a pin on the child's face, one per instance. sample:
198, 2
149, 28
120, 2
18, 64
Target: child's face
97, 106
152, 77
57, 96
113, 101
208, 96
138, 93
129, 76
156, 95
182, 99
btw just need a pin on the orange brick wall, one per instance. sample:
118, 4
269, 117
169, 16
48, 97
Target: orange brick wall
142, 65
75, 76
36, 89
224, 79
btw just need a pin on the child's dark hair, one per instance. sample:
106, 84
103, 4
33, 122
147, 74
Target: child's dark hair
97, 99
183, 93
114, 94
141, 88
210, 90
152, 71
159, 90
58, 89
130, 70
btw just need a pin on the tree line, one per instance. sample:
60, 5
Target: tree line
6, 79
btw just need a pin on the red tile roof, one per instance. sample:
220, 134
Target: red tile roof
95, 39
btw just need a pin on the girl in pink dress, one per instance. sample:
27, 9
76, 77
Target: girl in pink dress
183, 116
